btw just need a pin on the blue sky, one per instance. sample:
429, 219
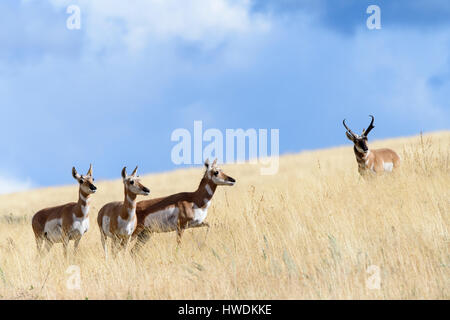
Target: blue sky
112, 92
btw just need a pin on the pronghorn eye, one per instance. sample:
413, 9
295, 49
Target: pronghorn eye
216, 173
131, 182
81, 181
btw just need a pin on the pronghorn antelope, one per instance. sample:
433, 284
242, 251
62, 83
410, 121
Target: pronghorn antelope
375, 161
179, 211
117, 220
66, 222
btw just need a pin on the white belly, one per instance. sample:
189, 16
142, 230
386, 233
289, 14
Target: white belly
388, 166
79, 226
53, 230
162, 221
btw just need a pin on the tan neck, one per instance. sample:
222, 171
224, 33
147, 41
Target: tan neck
83, 198
83, 204
205, 192
129, 205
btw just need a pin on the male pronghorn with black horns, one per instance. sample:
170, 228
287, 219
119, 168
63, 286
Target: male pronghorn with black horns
375, 161
117, 220
179, 211
66, 222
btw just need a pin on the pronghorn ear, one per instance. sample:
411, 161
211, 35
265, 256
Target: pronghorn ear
349, 136
134, 172
207, 163
215, 162
124, 172
75, 174
89, 173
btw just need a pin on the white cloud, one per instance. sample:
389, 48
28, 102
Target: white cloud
9, 184
134, 23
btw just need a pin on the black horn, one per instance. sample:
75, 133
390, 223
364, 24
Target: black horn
370, 127
350, 131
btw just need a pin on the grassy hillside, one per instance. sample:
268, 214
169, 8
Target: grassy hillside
309, 232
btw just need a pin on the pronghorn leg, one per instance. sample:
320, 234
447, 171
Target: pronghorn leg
180, 231
206, 224
114, 247
202, 225
124, 243
121, 245
186, 214
65, 242
142, 239
39, 242
75, 246
104, 244
48, 245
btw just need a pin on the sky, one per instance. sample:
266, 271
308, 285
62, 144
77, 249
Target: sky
112, 92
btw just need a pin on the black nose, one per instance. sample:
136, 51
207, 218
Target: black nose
145, 189
231, 179
92, 187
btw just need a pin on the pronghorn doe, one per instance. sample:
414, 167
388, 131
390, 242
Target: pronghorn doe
117, 220
179, 211
375, 161
66, 222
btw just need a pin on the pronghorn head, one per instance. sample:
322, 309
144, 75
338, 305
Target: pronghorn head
86, 181
216, 175
133, 183
360, 141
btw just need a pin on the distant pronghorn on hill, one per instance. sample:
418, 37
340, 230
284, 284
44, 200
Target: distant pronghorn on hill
66, 222
179, 211
375, 161
117, 220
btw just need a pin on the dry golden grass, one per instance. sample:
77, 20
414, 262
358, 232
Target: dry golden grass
309, 232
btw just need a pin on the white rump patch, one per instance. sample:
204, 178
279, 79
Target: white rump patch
53, 230
388, 166
105, 226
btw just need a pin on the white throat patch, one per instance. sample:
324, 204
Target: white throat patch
131, 201
84, 198
208, 189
